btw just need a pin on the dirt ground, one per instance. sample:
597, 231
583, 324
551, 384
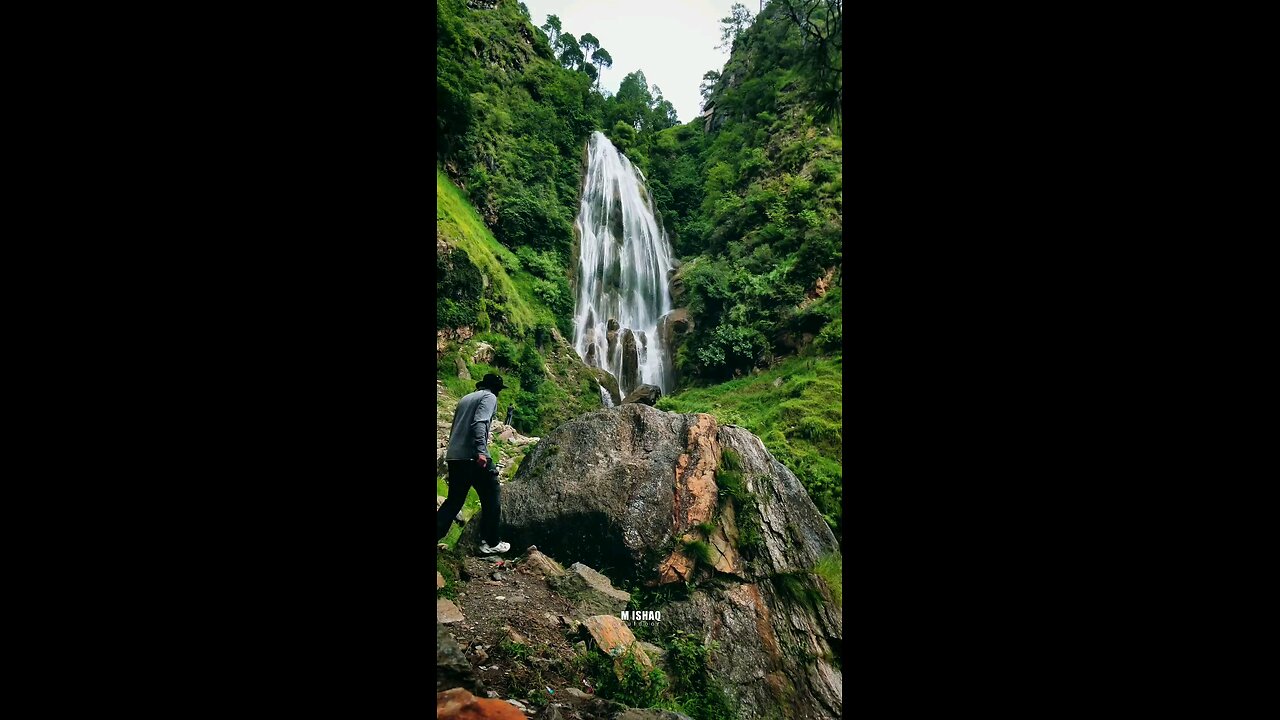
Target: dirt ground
516, 631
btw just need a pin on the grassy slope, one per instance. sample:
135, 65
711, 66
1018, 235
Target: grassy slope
460, 226
569, 390
799, 420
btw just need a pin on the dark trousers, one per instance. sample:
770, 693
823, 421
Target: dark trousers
463, 475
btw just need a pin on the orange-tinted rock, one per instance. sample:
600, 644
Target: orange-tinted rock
458, 704
696, 492
615, 638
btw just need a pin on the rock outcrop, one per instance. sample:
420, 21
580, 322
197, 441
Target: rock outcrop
634, 489
630, 360
645, 395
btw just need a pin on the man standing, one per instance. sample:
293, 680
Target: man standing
471, 466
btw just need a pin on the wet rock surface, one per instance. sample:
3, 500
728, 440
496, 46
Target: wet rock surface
645, 395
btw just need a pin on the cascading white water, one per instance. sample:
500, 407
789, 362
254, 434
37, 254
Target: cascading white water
624, 263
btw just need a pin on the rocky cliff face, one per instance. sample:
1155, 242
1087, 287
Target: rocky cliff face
661, 499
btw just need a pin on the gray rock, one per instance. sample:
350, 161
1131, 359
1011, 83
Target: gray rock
543, 565
452, 668
463, 373
589, 591
630, 361
655, 653
483, 354
645, 394
447, 612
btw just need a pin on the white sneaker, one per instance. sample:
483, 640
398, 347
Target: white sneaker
499, 548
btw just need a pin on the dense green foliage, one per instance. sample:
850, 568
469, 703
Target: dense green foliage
754, 205
633, 686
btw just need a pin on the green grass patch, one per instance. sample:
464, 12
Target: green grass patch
798, 588
830, 569
634, 686
458, 223
700, 551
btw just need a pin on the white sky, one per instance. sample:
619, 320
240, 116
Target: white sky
672, 41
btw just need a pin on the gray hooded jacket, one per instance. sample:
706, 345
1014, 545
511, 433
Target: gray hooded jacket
470, 434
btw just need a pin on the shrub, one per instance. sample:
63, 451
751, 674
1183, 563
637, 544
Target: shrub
505, 353
635, 688
529, 367
544, 264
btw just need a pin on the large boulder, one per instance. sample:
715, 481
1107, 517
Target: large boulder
638, 491
645, 394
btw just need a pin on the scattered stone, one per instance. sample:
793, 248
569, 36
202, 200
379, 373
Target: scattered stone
543, 565
615, 638
439, 580
482, 656
457, 704
777, 383
452, 667
514, 636
501, 597
492, 693
591, 592
463, 374
440, 501
483, 354
447, 612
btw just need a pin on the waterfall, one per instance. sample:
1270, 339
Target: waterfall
624, 263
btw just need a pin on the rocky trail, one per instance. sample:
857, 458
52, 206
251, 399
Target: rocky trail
507, 637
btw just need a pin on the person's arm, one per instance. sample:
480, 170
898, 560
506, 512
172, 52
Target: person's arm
480, 427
